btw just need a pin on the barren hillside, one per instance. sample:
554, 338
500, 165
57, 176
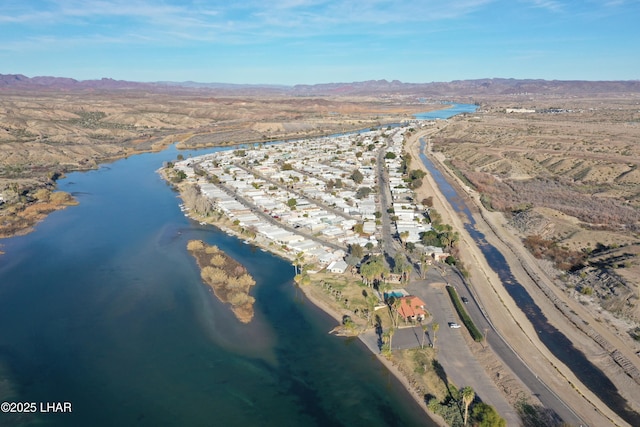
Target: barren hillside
566, 173
47, 130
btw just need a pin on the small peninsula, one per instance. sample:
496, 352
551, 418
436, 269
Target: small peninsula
228, 278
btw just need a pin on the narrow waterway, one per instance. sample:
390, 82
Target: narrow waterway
103, 307
559, 345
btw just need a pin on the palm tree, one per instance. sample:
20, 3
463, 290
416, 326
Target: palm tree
368, 272
371, 300
409, 302
423, 265
391, 332
406, 272
434, 328
467, 397
299, 262
424, 333
403, 236
394, 311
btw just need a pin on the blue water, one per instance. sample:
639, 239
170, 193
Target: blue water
447, 113
393, 294
103, 307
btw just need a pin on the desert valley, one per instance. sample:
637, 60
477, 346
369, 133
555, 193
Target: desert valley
551, 169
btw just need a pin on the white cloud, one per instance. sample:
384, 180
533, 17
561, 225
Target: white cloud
551, 5
250, 14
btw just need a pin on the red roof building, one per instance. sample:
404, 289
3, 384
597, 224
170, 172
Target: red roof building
412, 309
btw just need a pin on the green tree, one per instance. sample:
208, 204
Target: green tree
399, 260
363, 192
406, 271
395, 312
373, 269
487, 416
358, 228
179, 177
357, 176
386, 346
430, 238
356, 250
417, 174
390, 155
401, 266
292, 203
351, 260
367, 271
388, 337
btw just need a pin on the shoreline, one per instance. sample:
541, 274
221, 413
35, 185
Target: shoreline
327, 308
511, 321
391, 367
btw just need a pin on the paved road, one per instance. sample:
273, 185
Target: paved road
497, 343
453, 353
388, 239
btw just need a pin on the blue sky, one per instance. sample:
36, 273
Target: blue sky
321, 41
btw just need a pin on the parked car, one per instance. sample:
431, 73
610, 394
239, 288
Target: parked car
453, 325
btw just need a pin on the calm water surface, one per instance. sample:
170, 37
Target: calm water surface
103, 307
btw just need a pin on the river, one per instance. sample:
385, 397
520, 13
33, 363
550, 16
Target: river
102, 306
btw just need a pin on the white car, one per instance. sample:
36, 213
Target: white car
453, 325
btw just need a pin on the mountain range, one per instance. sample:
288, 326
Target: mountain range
492, 86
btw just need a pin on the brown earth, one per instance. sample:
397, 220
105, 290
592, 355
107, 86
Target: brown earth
512, 322
44, 134
588, 146
568, 175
